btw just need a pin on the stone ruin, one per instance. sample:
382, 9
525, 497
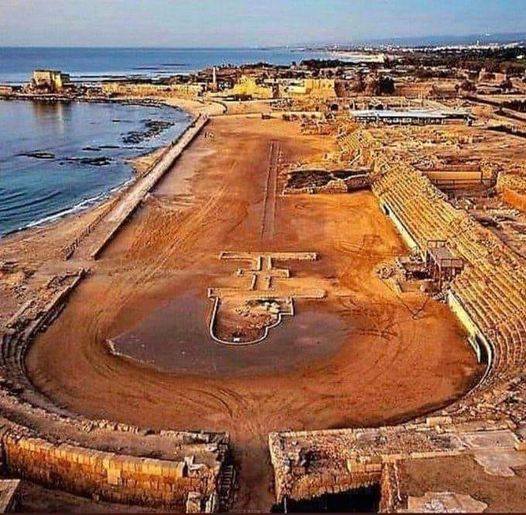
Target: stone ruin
164, 469
190, 471
488, 425
261, 304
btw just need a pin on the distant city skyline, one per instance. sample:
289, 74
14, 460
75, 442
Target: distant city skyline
244, 23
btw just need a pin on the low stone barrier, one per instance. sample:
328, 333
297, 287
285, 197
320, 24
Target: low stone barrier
95, 458
113, 477
126, 207
513, 189
489, 299
515, 198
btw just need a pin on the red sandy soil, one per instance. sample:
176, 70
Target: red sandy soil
381, 359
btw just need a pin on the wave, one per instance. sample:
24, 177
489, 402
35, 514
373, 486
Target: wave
14, 194
33, 192
81, 206
29, 202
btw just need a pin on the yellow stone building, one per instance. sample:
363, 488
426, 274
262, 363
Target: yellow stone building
52, 80
315, 88
247, 87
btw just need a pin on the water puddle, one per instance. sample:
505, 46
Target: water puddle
176, 338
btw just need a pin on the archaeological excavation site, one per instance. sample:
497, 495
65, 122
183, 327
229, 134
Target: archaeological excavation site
312, 300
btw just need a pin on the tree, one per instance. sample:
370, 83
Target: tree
467, 86
387, 86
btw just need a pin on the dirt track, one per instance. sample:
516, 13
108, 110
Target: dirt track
375, 363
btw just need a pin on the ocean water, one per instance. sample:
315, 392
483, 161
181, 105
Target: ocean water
58, 179
56, 158
94, 64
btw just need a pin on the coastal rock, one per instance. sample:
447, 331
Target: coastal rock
93, 161
38, 154
153, 128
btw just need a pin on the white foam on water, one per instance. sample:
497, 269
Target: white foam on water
81, 206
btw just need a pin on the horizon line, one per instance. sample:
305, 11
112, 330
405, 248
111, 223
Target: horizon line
319, 44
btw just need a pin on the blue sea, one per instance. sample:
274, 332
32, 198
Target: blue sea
49, 152
95, 64
57, 158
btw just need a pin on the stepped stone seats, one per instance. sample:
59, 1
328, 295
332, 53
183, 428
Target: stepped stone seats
492, 287
357, 144
115, 462
489, 296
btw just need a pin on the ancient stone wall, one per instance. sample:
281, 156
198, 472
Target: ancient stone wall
492, 294
248, 87
350, 184
389, 488
190, 91
113, 477
134, 196
310, 464
492, 287
98, 458
513, 189
515, 198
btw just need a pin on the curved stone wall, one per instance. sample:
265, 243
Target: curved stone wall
489, 297
98, 458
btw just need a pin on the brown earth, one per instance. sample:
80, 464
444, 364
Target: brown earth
463, 475
362, 356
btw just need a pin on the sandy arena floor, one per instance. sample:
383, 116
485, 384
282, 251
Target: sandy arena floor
360, 356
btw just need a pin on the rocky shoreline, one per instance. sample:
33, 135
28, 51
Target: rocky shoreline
132, 139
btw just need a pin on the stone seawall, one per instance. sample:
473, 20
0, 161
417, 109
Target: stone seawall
134, 196
105, 460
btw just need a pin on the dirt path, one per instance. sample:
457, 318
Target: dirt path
356, 357
269, 204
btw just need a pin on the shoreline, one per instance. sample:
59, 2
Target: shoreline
188, 105
140, 165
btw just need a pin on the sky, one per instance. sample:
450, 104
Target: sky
246, 23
